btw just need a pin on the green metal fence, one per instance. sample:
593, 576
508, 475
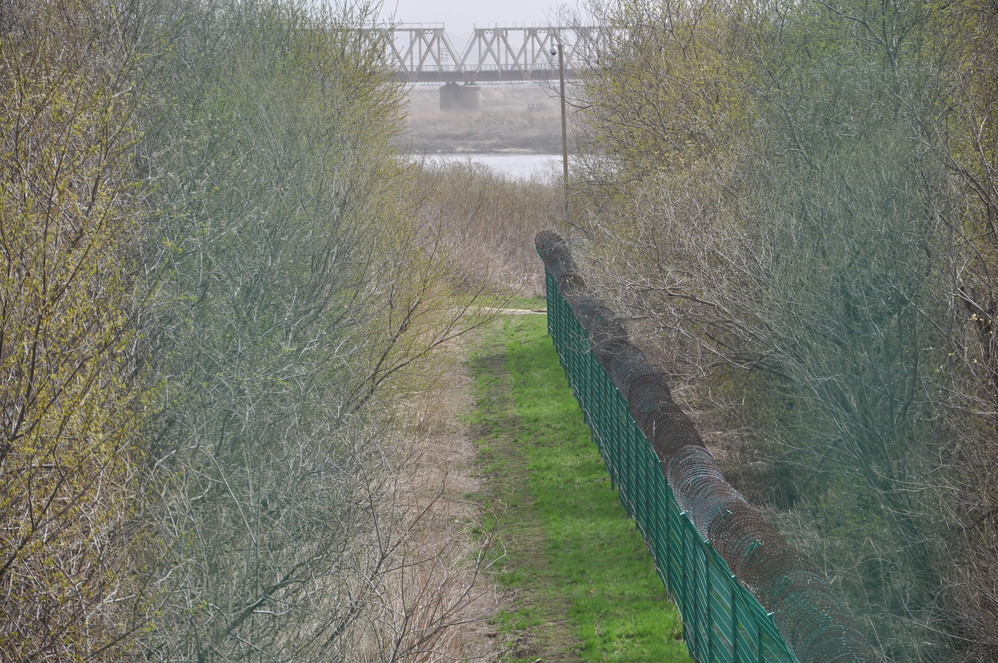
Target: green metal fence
722, 621
746, 594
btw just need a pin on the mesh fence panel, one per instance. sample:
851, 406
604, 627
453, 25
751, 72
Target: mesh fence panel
745, 594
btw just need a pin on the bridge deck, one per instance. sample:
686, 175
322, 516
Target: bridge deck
481, 76
427, 54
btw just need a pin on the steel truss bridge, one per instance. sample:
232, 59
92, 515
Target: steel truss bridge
426, 54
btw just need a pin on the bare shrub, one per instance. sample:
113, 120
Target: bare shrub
965, 58
68, 446
292, 294
769, 208
486, 221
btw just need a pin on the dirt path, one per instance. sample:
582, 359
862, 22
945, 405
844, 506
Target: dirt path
522, 311
447, 581
501, 425
453, 473
550, 638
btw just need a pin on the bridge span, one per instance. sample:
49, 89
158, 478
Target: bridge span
424, 53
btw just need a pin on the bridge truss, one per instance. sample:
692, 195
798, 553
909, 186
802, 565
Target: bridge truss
426, 54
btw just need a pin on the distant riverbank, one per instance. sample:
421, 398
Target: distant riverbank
524, 118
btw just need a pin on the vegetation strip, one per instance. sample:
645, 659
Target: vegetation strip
584, 585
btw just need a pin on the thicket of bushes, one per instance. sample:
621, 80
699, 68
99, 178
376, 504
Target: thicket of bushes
212, 292
797, 201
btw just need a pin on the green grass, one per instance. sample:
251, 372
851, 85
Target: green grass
584, 582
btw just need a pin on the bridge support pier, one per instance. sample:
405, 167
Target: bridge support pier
454, 97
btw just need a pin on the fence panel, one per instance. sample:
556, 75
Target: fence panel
646, 441
723, 622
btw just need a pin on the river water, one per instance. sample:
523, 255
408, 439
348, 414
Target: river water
517, 166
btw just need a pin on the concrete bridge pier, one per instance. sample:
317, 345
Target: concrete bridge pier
454, 97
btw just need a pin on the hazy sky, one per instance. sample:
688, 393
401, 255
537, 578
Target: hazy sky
462, 15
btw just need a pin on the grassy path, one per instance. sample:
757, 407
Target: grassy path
583, 583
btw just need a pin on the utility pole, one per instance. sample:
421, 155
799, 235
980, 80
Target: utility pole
560, 50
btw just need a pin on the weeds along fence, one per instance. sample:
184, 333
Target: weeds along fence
746, 595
